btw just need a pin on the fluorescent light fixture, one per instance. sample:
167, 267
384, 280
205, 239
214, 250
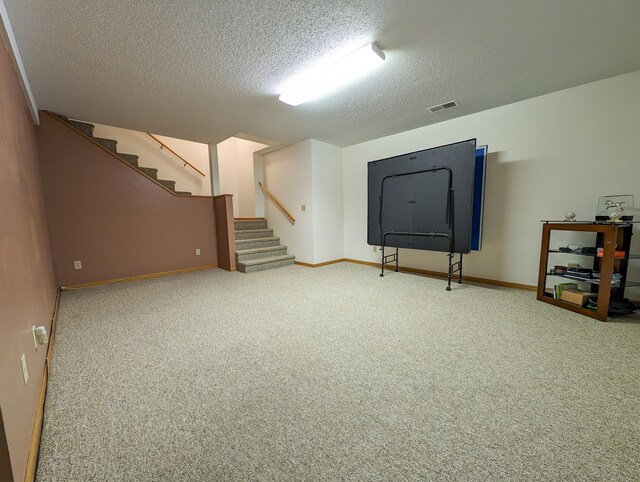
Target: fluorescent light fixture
318, 83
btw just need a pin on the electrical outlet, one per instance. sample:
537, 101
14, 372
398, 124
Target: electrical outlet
375, 249
303, 207
77, 265
197, 251
35, 338
25, 372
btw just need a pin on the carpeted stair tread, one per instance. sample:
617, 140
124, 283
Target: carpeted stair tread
241, 252
254, 262
110, 144
168, 184
265, 263
248, 224
129, 158
253, 233
255, 240
244, 255
84, 127
257, 243
149, 171
184, 193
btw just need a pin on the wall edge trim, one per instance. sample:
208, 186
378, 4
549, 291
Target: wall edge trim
319, 265
440, 274
138, 277
36, 435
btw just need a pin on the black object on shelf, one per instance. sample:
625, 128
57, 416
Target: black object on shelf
616, 308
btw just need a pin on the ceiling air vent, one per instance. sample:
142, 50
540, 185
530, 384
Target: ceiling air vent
441, 107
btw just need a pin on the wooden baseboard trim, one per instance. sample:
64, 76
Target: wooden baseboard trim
138, 277
36, 434
440, 274
326, 263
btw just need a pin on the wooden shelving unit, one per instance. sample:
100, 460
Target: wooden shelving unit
608, 236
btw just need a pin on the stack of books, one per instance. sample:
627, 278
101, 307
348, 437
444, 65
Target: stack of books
616, 278
579, 273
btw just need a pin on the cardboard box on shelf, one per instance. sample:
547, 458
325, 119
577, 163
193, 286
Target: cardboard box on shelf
577, 297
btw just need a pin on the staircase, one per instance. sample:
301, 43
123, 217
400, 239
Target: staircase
257, 249
87, 130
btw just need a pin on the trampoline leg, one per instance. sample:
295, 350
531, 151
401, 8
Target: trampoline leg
396, 260
460, 270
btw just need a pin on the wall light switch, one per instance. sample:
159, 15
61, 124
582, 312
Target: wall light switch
77, 265
375, 249
303, 207
197, 251
25, 372
35, 338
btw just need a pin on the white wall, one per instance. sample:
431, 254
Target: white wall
328, 236
236, 174
308, 173
169, 166
214, 169
258, 176
547, 155
227, 171
288, 175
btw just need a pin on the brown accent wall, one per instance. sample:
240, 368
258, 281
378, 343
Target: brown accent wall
226, 231
27, 288
113, 219
5, 462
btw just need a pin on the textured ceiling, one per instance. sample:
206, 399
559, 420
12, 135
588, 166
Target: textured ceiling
206, 70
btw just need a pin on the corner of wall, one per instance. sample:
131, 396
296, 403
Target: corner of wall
288, 174
327, 195
12, 47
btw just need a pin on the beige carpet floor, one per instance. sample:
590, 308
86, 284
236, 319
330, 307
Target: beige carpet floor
336, 374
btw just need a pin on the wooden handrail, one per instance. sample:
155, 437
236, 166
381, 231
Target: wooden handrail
277, 203
186, 163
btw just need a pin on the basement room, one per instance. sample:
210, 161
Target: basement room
327, 240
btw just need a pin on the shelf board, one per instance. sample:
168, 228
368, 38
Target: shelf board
593, 223
631, 256
594, 281
548, 298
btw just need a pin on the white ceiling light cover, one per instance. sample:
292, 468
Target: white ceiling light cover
321, 82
